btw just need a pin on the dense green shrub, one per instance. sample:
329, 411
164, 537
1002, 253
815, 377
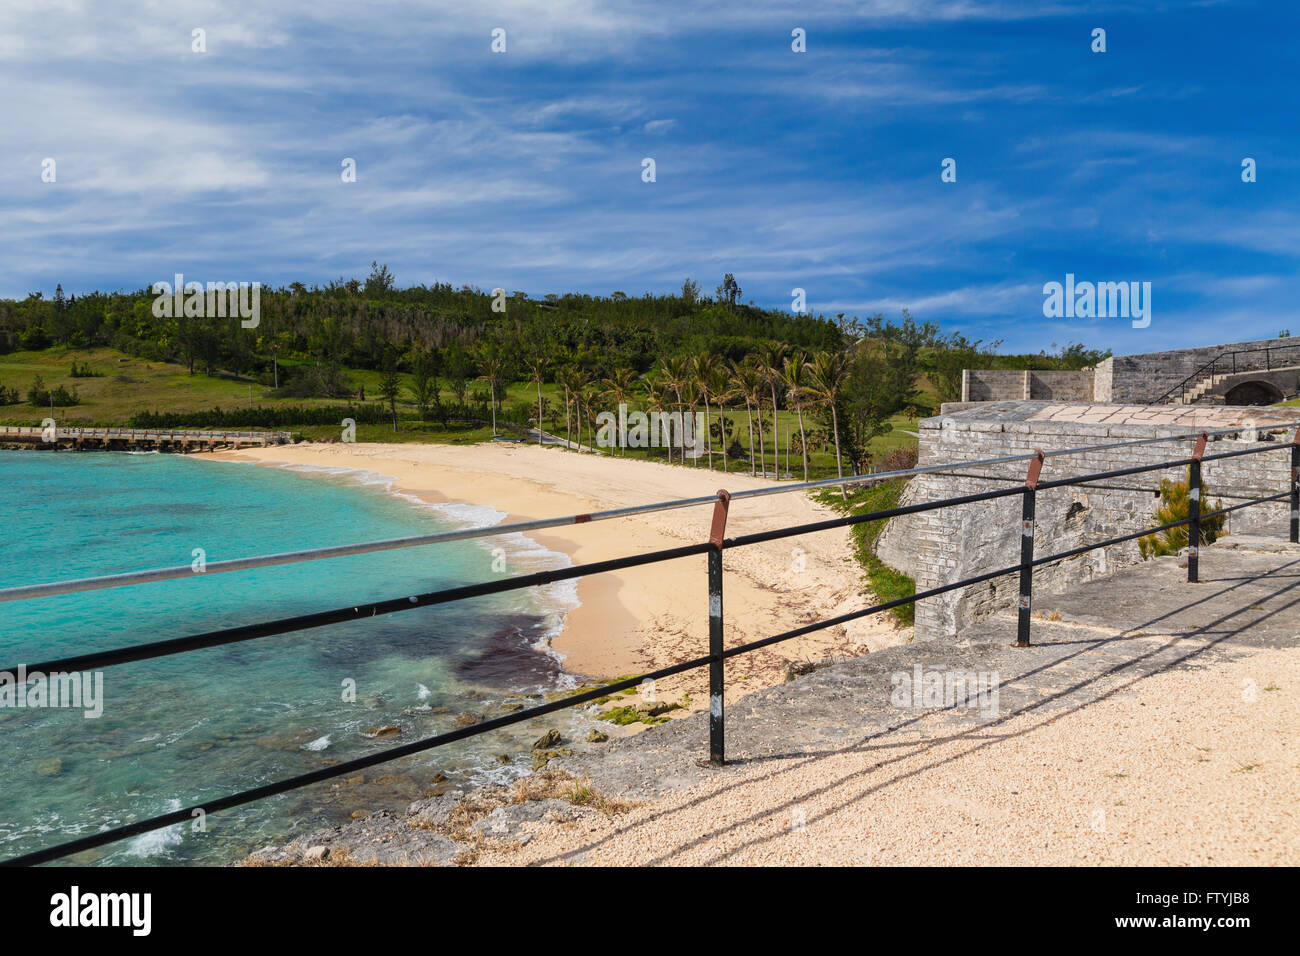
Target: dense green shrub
1174, 506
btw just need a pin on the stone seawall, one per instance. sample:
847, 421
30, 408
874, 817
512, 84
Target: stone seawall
945, 545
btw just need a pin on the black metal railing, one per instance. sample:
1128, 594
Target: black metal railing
714, 548
1230, 363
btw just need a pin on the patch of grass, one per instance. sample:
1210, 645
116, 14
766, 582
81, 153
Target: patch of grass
885, 583
583, 794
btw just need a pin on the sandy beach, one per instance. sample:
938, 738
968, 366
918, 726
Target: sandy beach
640, 619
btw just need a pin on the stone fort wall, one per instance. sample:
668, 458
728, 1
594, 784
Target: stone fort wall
997, 385
945, 545
1144, 377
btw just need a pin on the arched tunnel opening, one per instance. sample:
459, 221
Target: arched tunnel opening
1253, 393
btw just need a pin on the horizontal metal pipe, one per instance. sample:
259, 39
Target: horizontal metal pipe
248, 632
758, 537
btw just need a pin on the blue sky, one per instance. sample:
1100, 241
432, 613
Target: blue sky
817, 170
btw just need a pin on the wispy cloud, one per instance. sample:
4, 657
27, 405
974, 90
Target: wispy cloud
817, 170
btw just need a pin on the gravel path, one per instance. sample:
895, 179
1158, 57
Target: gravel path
1179, 768
1152, 723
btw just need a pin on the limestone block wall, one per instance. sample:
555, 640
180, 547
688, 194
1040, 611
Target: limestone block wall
997, 385
1142, 378
945, 545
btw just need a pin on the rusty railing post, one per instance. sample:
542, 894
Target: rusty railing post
1194, 511
717, 754
1295, 488
1027, 549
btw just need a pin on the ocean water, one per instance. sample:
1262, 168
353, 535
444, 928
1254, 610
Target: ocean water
179, 730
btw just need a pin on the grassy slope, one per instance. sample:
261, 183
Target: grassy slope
885, 583
129, 385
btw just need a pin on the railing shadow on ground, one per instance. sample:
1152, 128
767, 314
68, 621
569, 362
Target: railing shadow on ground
874, 741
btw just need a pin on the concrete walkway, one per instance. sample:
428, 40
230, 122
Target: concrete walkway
1152, 723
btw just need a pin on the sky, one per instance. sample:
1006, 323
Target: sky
817, 170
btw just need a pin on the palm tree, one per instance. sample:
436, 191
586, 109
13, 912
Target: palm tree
748, 382
771, 357
723, 393
705, 367
537, 363
618, 390
492, 366
567, 379
656, 390
587, 398
691, 397
675, 373
827, 373
795, 374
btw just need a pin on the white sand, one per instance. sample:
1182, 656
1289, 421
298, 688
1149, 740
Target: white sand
640, 619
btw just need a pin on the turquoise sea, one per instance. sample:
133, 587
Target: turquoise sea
179, 730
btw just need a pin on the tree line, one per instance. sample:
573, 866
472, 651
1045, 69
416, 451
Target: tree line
840, 377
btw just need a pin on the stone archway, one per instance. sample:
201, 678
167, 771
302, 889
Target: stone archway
1253, 393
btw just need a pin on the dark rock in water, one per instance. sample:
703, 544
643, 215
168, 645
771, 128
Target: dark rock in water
512, 708
505, 759
597, 737
467, 719
549, 740
388, 730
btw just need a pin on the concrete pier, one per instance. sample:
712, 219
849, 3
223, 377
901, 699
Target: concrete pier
135, 439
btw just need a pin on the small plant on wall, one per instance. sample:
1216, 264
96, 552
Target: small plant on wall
1174, 507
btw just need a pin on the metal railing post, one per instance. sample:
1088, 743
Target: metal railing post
1295, 488
717, 741
1194, 510
1027, 549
